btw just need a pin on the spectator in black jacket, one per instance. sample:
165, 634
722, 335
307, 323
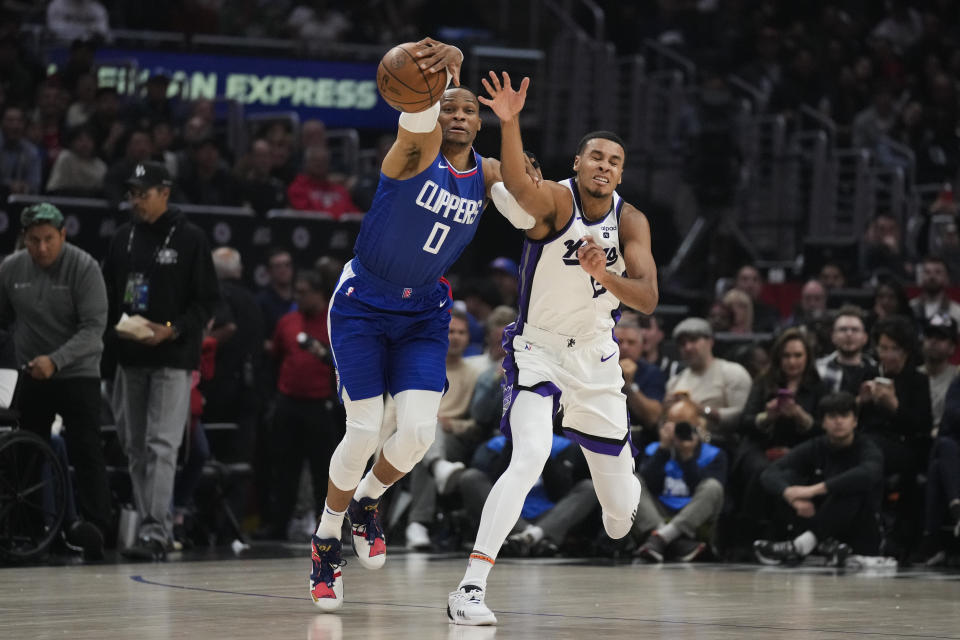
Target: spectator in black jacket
158, 267
206, 179
276, 299
260, 190
943, 480
682, 481
236, 391
895, 413
832, 485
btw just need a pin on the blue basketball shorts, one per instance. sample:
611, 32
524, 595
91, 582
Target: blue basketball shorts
387, 337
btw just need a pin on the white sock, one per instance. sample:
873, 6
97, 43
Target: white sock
330, 523
478, 568
805, 543
534, 532
370, 487
668, 533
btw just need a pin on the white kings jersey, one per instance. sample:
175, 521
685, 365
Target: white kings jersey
556, 294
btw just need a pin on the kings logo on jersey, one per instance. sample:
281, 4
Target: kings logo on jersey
570, 256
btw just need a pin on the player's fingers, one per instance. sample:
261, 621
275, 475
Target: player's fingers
424, 50
593, 256
587, 254
454, 71
506, 80
589, 240
486, 85
523, 86
532, 169
485, 100
495, 80
448, 60
426, 42
429, 59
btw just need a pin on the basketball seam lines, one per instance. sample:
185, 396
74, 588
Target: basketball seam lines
428, 93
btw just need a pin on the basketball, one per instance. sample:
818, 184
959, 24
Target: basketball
404, 85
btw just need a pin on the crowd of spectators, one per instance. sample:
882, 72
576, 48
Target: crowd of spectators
880, 70
62, 134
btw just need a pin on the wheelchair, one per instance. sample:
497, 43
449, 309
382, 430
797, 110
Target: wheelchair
33, 488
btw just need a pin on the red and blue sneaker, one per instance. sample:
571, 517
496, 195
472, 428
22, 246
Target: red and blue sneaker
326, 581
368, 540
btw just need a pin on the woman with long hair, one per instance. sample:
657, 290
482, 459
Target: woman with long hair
780, 413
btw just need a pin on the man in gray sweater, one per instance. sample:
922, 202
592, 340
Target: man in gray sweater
54, 295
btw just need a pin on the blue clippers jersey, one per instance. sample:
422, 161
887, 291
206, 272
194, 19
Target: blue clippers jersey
417, 228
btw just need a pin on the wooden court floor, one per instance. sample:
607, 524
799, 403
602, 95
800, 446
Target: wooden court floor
243, 598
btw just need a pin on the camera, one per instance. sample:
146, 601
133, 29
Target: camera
683, 431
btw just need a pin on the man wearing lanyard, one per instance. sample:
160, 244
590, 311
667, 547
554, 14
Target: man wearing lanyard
158, 266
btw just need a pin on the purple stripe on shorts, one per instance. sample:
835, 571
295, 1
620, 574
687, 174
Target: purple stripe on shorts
530, 257
605, 446
510, 390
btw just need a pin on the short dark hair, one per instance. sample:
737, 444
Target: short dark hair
838, 403
319, 281
79, 130
312, 277
275, 251
832, 263
851, 311
934, 259
899, 329
646, 321
606, 135
473, 94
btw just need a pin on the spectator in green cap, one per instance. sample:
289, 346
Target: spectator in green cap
53, 294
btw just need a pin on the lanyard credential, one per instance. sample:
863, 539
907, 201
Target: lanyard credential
156, 252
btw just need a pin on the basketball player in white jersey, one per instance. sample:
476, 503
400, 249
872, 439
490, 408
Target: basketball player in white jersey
585, 252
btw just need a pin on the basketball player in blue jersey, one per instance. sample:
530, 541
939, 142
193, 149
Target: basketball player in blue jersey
389, 315
585, 252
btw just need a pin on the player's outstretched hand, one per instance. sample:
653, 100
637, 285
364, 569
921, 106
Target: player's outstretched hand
435, 56
504, 100
592, 258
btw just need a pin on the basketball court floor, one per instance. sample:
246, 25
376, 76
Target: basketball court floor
266, 597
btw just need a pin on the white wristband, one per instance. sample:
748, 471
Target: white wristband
422, 122
509, 208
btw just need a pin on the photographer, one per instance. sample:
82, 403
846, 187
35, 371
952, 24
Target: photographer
682, 482
308, 422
